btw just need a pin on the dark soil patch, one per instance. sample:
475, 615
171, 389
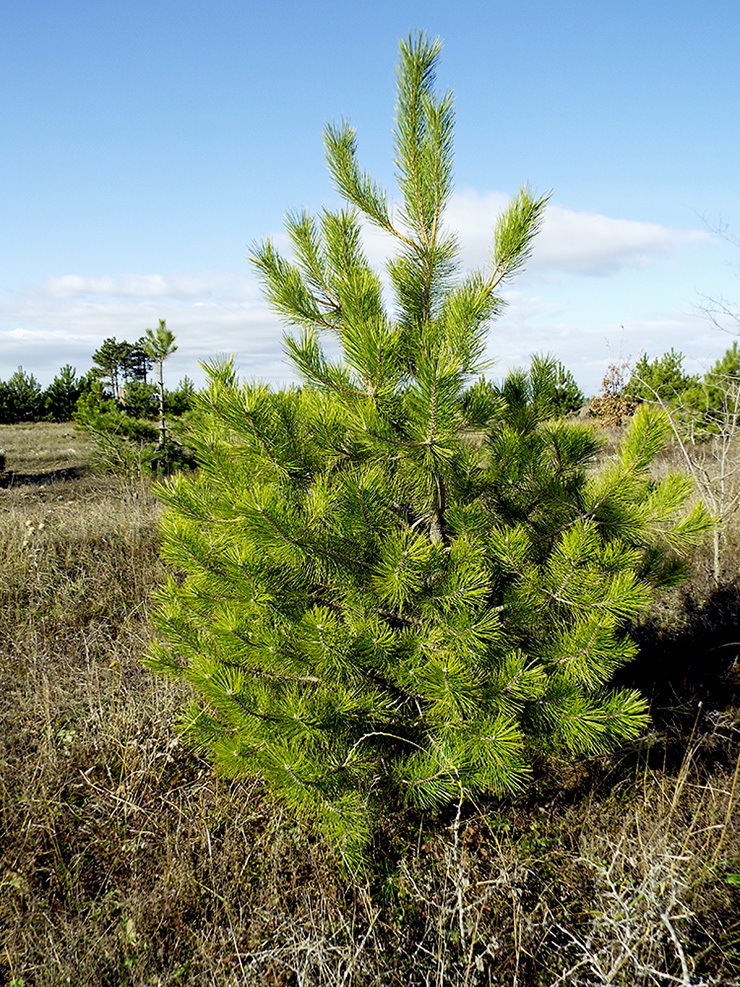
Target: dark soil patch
13, 479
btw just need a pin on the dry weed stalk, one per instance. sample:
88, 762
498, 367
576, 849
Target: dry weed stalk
713, 463
646, 881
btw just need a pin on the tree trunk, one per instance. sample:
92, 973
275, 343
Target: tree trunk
162, 423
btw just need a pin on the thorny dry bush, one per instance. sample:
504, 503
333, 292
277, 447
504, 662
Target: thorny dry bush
125, 861
611, 407
653, 875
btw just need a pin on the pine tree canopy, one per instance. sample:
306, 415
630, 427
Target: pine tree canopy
395, 586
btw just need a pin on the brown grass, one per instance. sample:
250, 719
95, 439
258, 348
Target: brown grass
42, 446
124, 860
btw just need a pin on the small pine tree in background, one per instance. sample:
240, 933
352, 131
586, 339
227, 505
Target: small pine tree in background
119, 417
140, 399
377, 607
712, 405
182, 399
21, 398
158, 345
61, 396
123, 444
568, 397
700, 408
662, 378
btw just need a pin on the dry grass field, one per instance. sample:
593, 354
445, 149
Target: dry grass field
124, 860
40, 447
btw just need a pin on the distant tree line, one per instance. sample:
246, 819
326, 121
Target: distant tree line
703, 405
119, 375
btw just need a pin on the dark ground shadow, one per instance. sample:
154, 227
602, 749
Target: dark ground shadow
697, 661
690, 673
13, 479
688, 668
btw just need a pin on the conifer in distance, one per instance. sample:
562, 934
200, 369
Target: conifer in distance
158, 345
392, 587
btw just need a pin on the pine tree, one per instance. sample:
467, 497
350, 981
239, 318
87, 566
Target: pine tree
120, 364
61, 396
158, 345
137, 362
20, 398
663, 379
712, 405
395, 588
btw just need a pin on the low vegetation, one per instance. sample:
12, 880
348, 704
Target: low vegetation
125, 860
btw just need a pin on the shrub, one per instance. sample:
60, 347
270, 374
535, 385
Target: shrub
180, 400
377, 610
614, 405
139, 399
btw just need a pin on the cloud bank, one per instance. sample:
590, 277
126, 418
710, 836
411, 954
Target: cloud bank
569, 242
65, 318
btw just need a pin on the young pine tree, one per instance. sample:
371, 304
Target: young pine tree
61, 396
21, 398
378, 606
662, 379
158, 345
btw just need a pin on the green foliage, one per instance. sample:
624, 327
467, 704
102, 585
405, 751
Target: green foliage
61, 396
712, 404
728, 365
139, 399
662, 378
700, 407
171, 457
160, 343
122, 442
20, 398
107, 360
119, 364
180, 400
546, 390
126, 444
158, 346
375, 610
567, 397
119, 374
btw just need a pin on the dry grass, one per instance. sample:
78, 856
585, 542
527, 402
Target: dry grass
39, 447
660, 879
125, 861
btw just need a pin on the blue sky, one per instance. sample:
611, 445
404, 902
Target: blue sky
147, 144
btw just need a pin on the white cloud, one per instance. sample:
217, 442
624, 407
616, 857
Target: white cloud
570, 242
65, 319
589, 243
177, 285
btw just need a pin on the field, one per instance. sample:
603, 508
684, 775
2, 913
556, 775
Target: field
124, 860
